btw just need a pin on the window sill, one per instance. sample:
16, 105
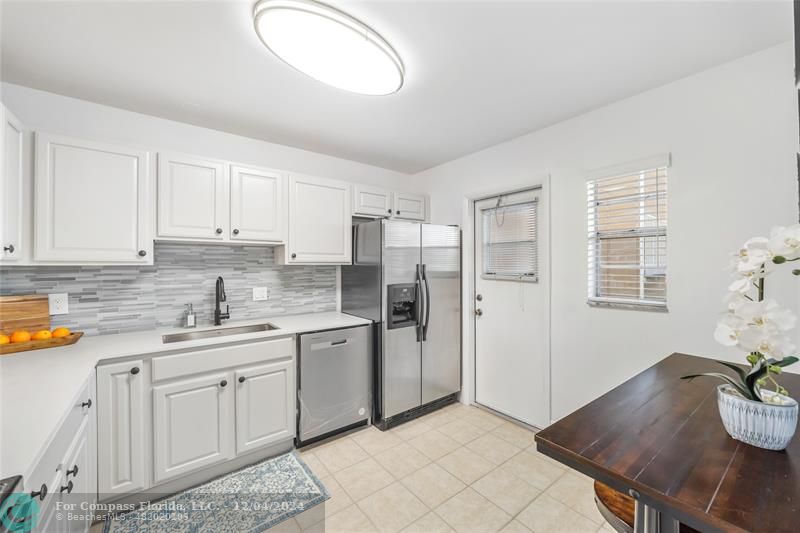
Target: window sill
630, 306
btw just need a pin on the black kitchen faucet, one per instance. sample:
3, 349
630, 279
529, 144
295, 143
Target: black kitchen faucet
219, 316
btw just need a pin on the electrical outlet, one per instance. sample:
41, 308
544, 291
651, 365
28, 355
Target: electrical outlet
59, 303
260, 294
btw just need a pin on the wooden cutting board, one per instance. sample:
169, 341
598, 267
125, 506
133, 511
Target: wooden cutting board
31, 313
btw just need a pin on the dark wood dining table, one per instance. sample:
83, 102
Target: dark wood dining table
660, 439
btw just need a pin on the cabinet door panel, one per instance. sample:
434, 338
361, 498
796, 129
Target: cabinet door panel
372, 201
120, 417
257, 204
192, 197
193, 425
79, 470
91, 202
409, 206
320, 221
11, 188
265, 405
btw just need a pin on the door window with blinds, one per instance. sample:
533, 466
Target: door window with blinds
510, 240
628, 239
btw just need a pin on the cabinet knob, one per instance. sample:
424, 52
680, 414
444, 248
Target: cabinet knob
41, 493
390, 211
67, 487
478, 312
87, 404
236, 232
223, 383
241, 379
9, 248
219, 231
135, 370
73, 471
142, 253
294, 255
397, 213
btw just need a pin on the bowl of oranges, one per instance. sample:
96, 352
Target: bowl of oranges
22, 340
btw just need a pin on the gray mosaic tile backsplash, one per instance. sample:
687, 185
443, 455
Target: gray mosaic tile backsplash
116, 299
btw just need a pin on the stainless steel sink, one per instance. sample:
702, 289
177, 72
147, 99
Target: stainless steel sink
212, 333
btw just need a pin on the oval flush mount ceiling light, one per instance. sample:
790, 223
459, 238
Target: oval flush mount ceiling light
329, 45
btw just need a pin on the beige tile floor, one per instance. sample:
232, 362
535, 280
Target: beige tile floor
458, 469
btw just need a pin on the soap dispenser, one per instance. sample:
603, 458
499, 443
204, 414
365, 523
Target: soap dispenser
190, 319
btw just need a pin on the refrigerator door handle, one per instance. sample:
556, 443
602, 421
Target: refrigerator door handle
427, 304
418, 282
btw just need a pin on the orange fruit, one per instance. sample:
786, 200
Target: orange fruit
60, 332
41, 335
4, 339
20, 336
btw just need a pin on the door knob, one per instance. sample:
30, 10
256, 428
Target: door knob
479, 297
478, 312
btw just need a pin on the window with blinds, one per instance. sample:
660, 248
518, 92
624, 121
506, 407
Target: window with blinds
510, 242
628, 239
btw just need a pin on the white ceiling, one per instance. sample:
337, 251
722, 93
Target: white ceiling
478, 73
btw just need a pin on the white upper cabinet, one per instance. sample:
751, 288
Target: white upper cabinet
372, 201
319, 222
91, 202
257, 204
11, 162
409, 206
192, 197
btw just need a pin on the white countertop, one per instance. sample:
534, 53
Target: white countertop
38, 387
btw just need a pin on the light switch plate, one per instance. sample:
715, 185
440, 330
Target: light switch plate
260, 294
59, 303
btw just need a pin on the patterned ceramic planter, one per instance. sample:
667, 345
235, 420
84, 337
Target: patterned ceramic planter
766, 425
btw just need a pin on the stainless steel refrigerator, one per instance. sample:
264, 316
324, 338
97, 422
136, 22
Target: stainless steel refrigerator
406, 277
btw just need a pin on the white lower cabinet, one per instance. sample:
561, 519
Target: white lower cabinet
177, 414
121, 417
194, 424
265, 406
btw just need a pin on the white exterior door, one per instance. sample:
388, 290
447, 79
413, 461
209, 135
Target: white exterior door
372, 201
192, 197
265, 405
91, 202
120, 419
258, 206
193, 425
11, 161
409, 206
320, 225
512, 362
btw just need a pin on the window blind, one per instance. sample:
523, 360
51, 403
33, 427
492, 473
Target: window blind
510, 241
627, 217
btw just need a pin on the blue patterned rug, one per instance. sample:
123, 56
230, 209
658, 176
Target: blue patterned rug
248, 500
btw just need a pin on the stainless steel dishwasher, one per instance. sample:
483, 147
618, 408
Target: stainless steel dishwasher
334, 382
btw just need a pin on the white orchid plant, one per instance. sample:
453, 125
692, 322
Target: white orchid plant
754, 324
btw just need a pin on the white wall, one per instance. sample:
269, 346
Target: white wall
732, 132
39, 110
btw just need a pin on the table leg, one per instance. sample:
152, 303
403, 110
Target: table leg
650, 520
